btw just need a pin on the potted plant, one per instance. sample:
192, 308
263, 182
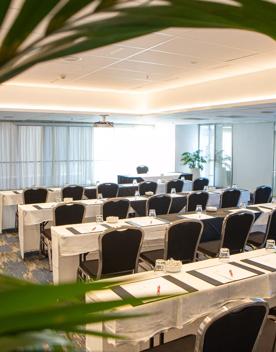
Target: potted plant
194, 161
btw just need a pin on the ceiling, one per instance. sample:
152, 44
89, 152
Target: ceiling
165, 72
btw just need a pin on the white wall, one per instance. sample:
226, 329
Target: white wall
186, 140
252, 154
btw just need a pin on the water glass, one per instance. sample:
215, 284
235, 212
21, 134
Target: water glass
205, 188
152, 213
99, 218
199, 210
137, 194
242, 205
270, 245
100, 196
173, 191
134, 182
224, 254
160, 265
235, 186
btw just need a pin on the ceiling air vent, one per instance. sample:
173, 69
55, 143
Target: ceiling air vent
103, 122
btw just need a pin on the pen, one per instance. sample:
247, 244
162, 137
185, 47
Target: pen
158, 290
231, 273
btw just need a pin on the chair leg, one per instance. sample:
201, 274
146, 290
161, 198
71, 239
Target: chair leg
49, 249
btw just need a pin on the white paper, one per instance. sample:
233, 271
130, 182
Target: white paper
197, 217
241, 209
268, 260
88, 228
149, 288
147, 221
222, 273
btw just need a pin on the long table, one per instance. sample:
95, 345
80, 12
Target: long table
69, 241
202, 287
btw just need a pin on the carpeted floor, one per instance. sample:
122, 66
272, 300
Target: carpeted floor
34, 267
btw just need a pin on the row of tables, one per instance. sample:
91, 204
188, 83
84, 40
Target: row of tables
202, 287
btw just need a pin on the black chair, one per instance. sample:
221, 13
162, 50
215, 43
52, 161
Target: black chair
258, 239
200, 183
185, 176
35, 195
147, 186
142, 169
181, 242
262, 194
72, 191
176, 184
119, 252
234, 234
108, 190
32, 196
65, 214
236, 326
197, 198
230, 198
160, 203
177, 204
116, 207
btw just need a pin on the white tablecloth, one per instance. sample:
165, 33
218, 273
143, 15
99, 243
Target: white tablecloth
180, 311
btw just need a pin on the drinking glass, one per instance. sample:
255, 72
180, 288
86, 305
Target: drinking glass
242, 205
100, 196
137, 194
173, 190
134, 182
99, 218
152, 213
270, 245
224, 254
235, 186
160, 265
199, 210
205, 188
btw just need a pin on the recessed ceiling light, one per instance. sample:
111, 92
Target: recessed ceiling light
72, 58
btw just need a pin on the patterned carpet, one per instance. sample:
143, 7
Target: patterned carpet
34, 268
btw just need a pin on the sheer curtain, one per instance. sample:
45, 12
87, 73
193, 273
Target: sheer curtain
45, 155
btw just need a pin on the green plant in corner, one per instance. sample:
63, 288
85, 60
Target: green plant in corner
194, 160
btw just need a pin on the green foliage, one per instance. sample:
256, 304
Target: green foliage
193, 160
70, 31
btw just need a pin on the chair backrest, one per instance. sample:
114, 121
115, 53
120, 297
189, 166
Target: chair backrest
147, 186
186, 176
160, 203
230, 198
177, 204
200, 183
177, 184
182, 240
116, 207
271, 227
235, 230
119, 251
142, 169
262, 194
234, 327
35, 195
70, 213
197, 198
108, 190
72, 191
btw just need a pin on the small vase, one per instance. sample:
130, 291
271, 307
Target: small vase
196, 173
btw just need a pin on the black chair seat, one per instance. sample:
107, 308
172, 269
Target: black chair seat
47, 233
184, 344
211, 248
256, 239
151, 256
90, 267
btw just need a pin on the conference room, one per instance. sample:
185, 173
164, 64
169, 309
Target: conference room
138, 176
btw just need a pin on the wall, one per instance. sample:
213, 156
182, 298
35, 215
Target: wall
252, 154
186, 140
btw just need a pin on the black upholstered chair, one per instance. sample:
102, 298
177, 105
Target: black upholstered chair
119, 252
147, 186
116, 207
177, 204
142, 169
35, 195
72, 191
65, 214
160, 203
230, 198
185, 176
235, 231
181, 242
236, 326
262, 194
258, 239
108, 190
197, 198
176, 184
200, 183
